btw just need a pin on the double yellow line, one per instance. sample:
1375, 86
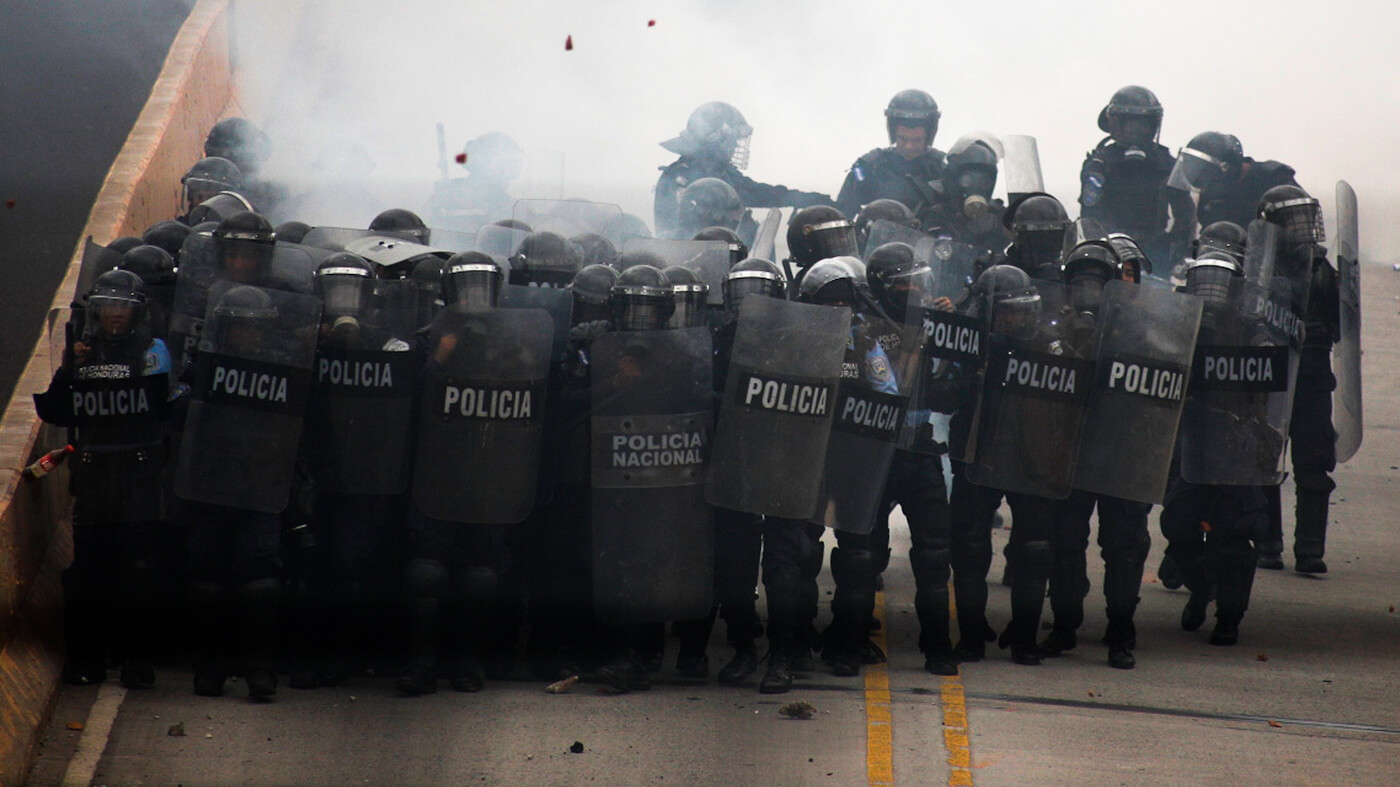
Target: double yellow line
879, 719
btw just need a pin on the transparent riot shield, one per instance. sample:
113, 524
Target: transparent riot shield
1146, 340
775, 419
1234, 427
248, 395
558, 303
766, 239
1033, 402
198, 266
653, 538
1021, 166
454, 241
1261, 248
363, 398
482, 415
499, 241
869, 419
97, 260
571, 217
708, 259
1346, 356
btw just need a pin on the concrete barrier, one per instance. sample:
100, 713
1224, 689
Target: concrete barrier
194, 89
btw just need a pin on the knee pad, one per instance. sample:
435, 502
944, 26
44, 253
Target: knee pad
260, 591
852, 567
931, 566
478, 582
1036, 556
1315, 481
425, 577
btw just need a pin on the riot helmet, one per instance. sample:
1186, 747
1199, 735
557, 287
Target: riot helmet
690, 294
1222, 236
642, 299
592, 289
219, 207
1133, 116
738, 250
1209, 276
631, 258
239, 141
883, 209
243, 315
1088, 267
1295, 212
404, 223
426, 275
169, 235
125, 243
708, 202
116, 306
830, 282
913, 109
1133, 262
472, 279
1005, 293
626, 227
714, 130
595, 250
899, 280
971, 176
208, 177
495, 156
153, 264
753, 276
245, 244
344, 282
818, 232
1037, 223
546, 252
1208, 157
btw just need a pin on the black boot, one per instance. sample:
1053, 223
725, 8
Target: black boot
932, 568
1310, 534
852, 605
778, 678
1121, 638
971, 562
1027, 602
1234, 585
1200, 580
691, 659
258, 601
426, 586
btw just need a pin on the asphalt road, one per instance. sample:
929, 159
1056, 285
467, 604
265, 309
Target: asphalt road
1311, 695
76, 74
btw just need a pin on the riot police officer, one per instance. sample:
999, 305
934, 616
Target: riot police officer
1037, 223
904, 171
208, 177
493, 161
398, 221
715, 144
814, 234
708, 202
1123, 182
963, 208
1230, 183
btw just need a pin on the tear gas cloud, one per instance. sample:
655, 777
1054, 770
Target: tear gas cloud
357, 107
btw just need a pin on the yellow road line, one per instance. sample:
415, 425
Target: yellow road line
879, 719
957, 731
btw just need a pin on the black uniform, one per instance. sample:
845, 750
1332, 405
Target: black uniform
1238, 200
884, 174
688, 169
1124, 188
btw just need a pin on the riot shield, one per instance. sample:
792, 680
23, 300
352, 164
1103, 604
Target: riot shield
340, 238
97, 260
294, 268
1021, 166
868, 422
1235, 424
499, 241
392, 255
775, 419
884, 231
454, 241
708, 259
198, 264
482, 415
766, 240
653, 538
1033, 405
1261, 247
247, 398
953, 263
571, 217
363, 395
559, 303
1146, 339
1346, 357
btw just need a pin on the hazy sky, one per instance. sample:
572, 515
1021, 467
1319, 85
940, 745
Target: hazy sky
1311, 85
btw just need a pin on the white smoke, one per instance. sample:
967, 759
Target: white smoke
813, 79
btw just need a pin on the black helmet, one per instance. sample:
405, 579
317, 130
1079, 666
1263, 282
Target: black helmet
1208, 156
242, 314
596, 249
116, 306
219, 207
1037, 223
494, 155
830, 282
125, 243
153, 264
625, 227
913, 109
403, 223
246, 244
1209, 276
169, 235
344, 282
1296, 212
592, 289
690, 293
1131, 257
426, 274
898, 279
708, 202
631, 258
971, 176
886, 209
292, 231
472, 279
714, 130
1128, 104
818, 232
1088, 267
547, 252
1005, 293
738, 250
642, 299
1222, 236
239, 141
753, 276
208, 177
